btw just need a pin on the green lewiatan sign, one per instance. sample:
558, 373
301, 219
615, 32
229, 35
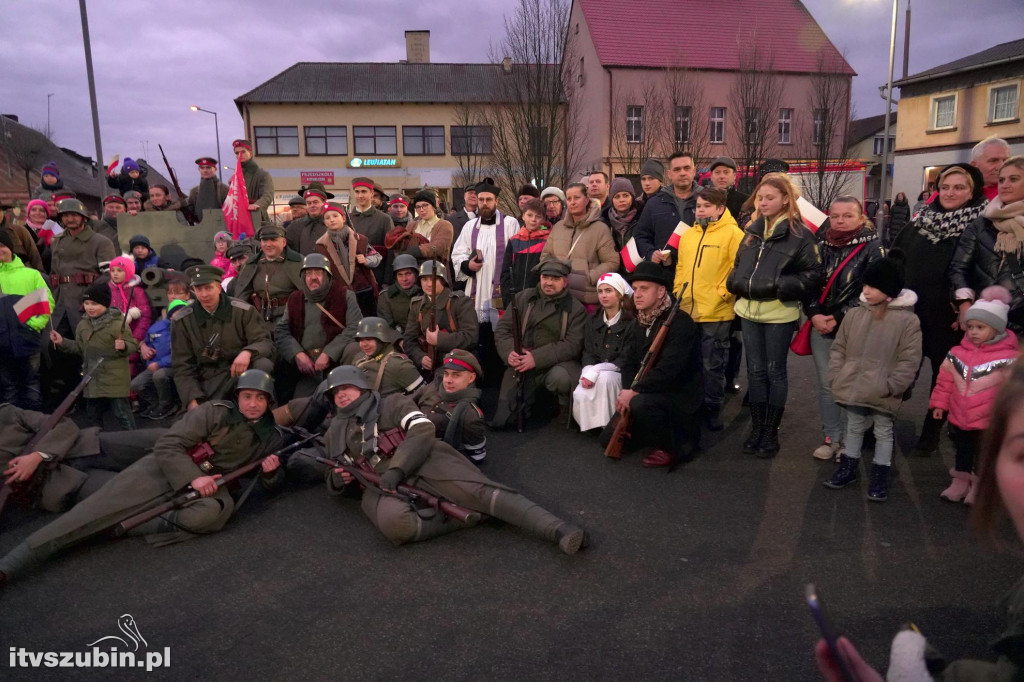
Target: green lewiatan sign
372, 162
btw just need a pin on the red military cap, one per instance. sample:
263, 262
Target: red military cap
206, 161
241, 143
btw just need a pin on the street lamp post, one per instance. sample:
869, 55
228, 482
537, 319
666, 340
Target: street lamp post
884, 189
216, 128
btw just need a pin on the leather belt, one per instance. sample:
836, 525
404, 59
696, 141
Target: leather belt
81, 278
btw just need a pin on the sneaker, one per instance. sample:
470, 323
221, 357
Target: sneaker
827, 450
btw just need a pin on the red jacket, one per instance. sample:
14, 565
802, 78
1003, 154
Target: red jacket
969, 380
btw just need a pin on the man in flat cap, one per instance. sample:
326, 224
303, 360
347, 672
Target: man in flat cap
214, 340
439, 320
370, 222
239, 254
723, 177
267, 281
113, 206
258, 183
451, 403
553, 325
296, 208
303, 232
210, 193
459, 218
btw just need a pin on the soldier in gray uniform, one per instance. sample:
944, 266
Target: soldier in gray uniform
216, 438
76, 256
215, 340
393, 302
452, 403
397, 440
452, 323
267, 281
386, 370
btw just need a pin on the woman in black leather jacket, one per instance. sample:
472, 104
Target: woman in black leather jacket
776, 269
991, 248
846, 234
928, 243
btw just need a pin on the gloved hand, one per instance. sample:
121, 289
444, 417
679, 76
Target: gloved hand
390, 479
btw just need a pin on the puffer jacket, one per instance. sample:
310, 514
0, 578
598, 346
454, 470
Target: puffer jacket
873, 362
706, 257
969, 379
899, 216
844, 295
19, 340
94, 339
976, 265
602, 343
124, 297
589, 246
785, 266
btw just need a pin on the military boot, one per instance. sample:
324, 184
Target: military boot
768, 447
517, 510
758, 412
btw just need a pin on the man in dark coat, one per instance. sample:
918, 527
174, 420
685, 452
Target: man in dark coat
723, 177
215, 439
663, 212
210, 193
397, 440
455, 323
302, 233
113, 206
268, 281
370, 222
258, 183
664, 404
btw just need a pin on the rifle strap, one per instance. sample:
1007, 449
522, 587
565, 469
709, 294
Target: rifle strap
328, 314
380, 371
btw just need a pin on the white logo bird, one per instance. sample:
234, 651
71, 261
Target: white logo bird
126, 623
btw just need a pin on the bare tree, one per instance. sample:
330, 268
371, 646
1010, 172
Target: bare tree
754, 105
535, 130
824, 132
470, 155
639, 127
686, 113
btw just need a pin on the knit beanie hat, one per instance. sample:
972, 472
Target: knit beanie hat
621, 185
223, 236
655, 168
991, 308
98, 292
126, 264
427, 196
886, 274
553, 192
6, 239
51, 169
140, 240
130, 165
528, 191
38, 202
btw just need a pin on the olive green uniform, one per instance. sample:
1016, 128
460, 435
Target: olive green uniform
457, 325
553, 330
457, 418
393, 305
74, 266
267, 284
156, 478
203, 346
398, 376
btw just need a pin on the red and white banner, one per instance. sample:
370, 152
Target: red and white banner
673, 240
237, 218
813, 218
630, 256
33, 303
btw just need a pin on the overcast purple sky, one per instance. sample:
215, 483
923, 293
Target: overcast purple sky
153, 60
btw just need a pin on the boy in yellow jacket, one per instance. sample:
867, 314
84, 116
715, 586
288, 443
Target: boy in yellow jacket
706, 255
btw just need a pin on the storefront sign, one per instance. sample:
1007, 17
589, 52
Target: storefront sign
373, 162
325, 177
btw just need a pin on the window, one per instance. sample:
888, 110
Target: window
1002, 103
876, 148
943, 112
375, 140
423, 140
471, 140
717, 125
785, 126
752, 125
682, 125
540, 142
326, 140
634, 124
277, 140
818, 135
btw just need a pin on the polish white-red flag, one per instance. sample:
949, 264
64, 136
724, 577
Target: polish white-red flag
237, 218
33, 303
813, 218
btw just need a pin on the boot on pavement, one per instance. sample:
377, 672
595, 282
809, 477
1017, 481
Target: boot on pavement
878, 485
758, 413
845, 473
958, 488
769, 445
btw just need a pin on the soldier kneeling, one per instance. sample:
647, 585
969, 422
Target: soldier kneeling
451, 402
397, 440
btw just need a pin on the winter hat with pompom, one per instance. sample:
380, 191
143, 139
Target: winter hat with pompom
991, 308
126, 264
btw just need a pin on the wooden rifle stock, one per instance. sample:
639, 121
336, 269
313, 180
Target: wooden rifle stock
186, 210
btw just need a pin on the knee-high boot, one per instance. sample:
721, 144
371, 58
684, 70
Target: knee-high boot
517, 510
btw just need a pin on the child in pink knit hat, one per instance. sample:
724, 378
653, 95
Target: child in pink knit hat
131, 300
221, 243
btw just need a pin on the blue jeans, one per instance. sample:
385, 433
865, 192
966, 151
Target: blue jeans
767, 348
832, 416
714, 353
858, 419
19, 382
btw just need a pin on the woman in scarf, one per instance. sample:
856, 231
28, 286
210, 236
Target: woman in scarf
928, 243
428, 237
621, 214
351, 257
37, 220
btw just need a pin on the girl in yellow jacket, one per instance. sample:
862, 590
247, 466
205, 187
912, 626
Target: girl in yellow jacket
707, 252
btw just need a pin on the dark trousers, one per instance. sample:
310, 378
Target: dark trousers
967, 445
19, 382
96, 408
714, 354
732, 365
487, 353
657, 421
767, 347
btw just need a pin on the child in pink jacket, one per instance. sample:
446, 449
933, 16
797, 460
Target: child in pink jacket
127, 296
221, 243
969, 379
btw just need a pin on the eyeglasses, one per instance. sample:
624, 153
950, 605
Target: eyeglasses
553, 202
422, 205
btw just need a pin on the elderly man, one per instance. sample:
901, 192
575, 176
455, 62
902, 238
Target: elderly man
296, 209
553, 325
210, 193
320, 320
413, 454
439, 320
268, 281
303, 232
664, 403
988, 156
214, 340
370, 222
670, 209
723, 177
258, 183
211, 441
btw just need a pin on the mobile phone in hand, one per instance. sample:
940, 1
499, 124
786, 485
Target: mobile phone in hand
827, 633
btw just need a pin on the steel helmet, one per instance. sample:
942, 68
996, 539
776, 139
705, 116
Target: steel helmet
346, 375
256, 380
72, 206
316, 261
375, 328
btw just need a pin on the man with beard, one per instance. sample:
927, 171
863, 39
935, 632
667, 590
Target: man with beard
258, 183
210, 193
553, 326
394, 301
302, 233
370, 222
452, 323
451, 403
113, 206
320, 320
215, 340
267, 282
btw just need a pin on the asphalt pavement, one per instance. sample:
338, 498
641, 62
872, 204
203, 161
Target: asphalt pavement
693, 575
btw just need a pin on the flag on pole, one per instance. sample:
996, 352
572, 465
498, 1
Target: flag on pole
33, 303
813, 218
237, 218
630, 256
673, 240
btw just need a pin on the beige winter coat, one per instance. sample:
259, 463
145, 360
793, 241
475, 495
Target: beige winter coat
588, 244
873, 362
